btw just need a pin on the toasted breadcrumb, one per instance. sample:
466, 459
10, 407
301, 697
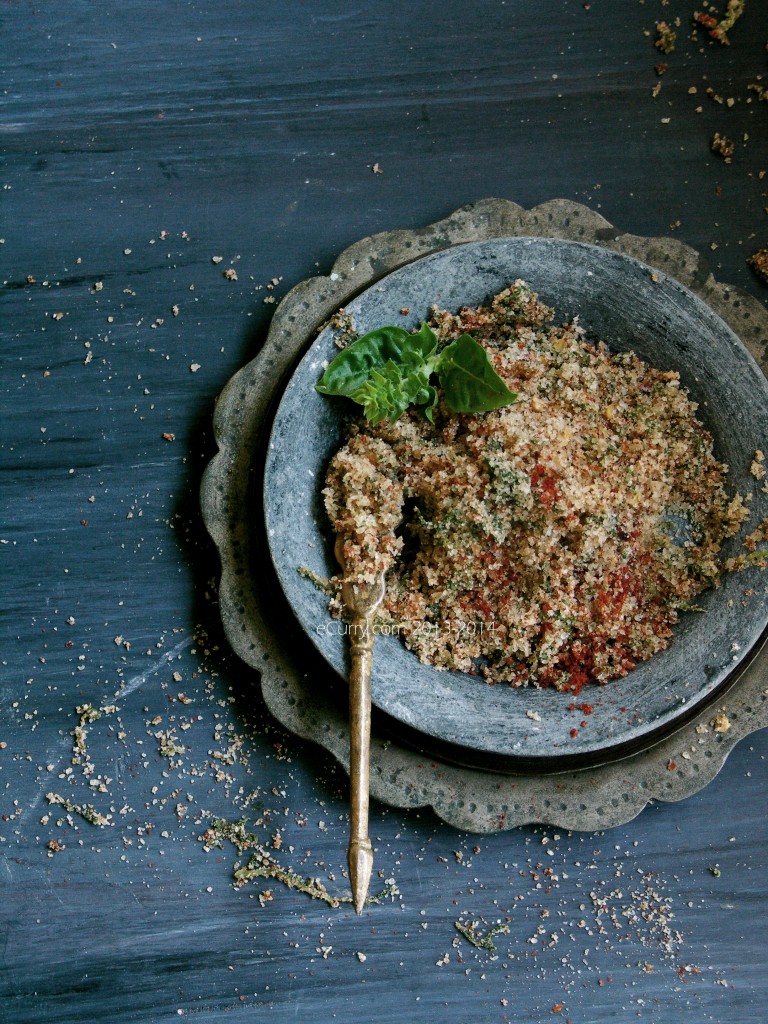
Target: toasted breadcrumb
539, 542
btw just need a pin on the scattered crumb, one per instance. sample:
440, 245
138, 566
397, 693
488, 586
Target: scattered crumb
471, 931
262, 864
759, 263
86, 811
723, 146
719, 29
666, 37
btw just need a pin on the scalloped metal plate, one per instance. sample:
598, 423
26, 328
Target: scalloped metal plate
260, 630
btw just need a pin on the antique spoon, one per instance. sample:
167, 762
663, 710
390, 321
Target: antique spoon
361, 600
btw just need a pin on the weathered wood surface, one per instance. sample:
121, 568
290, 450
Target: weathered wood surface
138, 143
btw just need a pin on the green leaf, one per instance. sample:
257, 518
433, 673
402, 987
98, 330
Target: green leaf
352, 367
389, 369
426, 340
387, 394
469, 380
426, 402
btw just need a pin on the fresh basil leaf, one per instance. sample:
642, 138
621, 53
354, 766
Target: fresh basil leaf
387, 394
353, 366
389, 369
426, 340
469, 380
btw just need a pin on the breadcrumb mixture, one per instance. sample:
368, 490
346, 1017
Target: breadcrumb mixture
552, 542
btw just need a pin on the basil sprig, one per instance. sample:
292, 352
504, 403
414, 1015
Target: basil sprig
389, 369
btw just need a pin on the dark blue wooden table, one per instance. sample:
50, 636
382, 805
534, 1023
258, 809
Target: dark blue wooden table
168, 171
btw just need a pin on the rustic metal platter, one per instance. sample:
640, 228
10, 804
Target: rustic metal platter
298, 684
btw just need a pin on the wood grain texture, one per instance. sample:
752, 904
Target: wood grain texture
139, 142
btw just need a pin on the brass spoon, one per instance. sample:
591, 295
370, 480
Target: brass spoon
360, 602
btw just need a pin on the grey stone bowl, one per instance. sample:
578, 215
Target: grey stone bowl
630, 306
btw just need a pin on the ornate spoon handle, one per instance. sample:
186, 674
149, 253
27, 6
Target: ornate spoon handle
360, 602
360, 852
